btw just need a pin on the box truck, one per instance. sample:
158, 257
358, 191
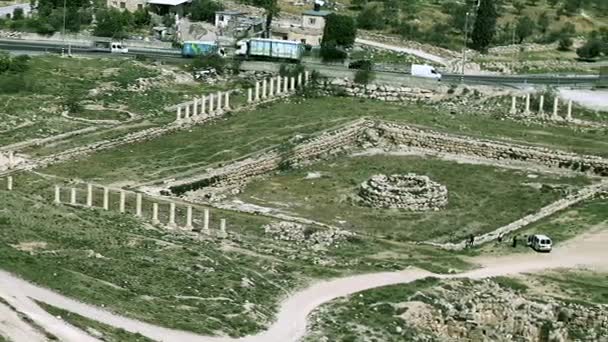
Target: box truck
200, 48
259, 48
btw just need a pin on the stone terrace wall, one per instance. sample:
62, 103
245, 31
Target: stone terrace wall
384, 134
405, 135
378, 92
238, 173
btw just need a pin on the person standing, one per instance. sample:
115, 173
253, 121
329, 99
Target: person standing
514, 241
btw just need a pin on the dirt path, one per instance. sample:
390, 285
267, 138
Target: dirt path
587, 250
418, 53
13, 328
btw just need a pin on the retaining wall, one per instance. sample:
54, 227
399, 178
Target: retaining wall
365, 133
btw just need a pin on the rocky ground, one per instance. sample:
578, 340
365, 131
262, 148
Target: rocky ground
485, 310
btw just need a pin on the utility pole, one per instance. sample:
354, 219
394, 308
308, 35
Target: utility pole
464, 48
63, 33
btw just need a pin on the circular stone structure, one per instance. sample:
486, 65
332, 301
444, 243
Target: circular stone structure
411, 192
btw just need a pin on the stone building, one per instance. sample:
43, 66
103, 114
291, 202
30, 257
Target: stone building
129, 5
310, 30
223, 18
314, 19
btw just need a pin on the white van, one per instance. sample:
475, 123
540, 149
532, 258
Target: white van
540, 243
424, 70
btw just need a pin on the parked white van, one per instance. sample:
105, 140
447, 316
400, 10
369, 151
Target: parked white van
424, 70
540, 243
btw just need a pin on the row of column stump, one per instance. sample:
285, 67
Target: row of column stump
139, 208
9, 183
204, 106
541, 110
270, 87
212, 105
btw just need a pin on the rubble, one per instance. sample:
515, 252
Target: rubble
306, 235
487, 311
410, 191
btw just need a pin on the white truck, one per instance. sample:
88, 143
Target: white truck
109, 46
424, 70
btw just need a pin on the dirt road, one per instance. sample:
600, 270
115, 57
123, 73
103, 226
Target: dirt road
418, 53
587, 250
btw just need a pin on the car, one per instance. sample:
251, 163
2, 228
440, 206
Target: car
540, 243
361, 64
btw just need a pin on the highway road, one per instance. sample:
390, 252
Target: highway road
328, 70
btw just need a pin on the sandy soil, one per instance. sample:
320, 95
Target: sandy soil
587, 251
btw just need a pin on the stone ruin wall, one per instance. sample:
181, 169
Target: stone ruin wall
385, 93
238, 173
366, 133
396, 134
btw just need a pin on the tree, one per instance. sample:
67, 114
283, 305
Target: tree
204, 10
565, 43
110, 23
519, 7
370, 18
17, 13
169, 20
330, 52
573, 6
391, 11
458, 15
340, 30
590, 50
359, 4
552, 3
272, 10
485, 25
543, 22
141, 17
524, 28
364, 76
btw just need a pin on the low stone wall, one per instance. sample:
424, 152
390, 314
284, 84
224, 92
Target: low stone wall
366, 133
239, 172
546, 211
395, 134
377, 92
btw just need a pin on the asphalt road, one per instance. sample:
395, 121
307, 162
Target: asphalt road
328, 70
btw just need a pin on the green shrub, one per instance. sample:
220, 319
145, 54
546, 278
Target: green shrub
331, 53
364, 76
210, 61
565, 43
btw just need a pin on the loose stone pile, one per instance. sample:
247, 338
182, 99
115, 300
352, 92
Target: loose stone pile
411, 191
485, 311
301, 234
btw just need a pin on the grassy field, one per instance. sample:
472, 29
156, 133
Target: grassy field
585, 217
108, 333
372, 314
474, 207
174, 279
106, 83
247, 132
